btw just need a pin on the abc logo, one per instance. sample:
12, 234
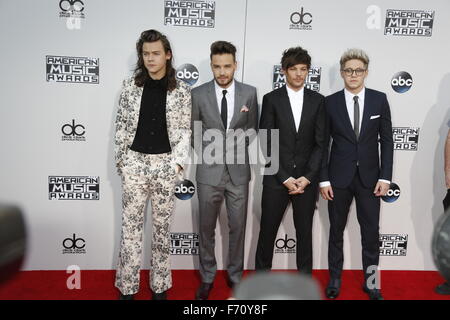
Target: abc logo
188, 73
285, 243
72, 129
393, 193
72, 243
301, 17
401, 82
184, 190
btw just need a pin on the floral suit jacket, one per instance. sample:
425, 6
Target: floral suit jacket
178, 117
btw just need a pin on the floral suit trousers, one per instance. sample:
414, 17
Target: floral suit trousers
146, 176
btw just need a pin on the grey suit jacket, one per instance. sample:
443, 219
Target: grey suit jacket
205, 109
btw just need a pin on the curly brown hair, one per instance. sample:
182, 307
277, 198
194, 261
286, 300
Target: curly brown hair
140, 72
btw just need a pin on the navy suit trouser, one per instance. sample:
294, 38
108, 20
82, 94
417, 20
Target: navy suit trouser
368, 214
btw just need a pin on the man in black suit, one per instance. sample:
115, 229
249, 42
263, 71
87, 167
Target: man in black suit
444, 288
299, 115
359, 123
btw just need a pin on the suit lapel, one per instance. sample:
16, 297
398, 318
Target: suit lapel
238, 103
305, 109
136, 107
170, 108
366, 112
287, 109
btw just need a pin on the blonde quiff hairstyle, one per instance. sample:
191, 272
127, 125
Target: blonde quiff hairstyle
354, 53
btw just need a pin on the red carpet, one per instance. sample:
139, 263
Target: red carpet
99, 285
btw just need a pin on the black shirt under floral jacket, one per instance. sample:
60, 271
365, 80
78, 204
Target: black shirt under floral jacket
151, 134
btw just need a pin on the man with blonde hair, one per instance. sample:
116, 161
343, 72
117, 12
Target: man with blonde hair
359, 124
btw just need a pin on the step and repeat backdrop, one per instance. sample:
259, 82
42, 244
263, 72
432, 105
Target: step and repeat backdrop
62, 65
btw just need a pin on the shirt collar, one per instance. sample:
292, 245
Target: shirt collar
219, 89
295, 93
157, 83
349, 96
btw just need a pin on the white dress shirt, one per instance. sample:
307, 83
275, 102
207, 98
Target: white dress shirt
296, 101
350, 103
230, 100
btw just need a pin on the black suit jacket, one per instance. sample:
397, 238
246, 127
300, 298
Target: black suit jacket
375, 141
300, 152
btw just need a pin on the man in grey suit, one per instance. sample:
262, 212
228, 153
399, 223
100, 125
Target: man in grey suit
226, 112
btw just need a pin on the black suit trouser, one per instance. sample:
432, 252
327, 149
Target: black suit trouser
368, 214
274, 203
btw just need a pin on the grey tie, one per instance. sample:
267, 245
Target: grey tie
356, 117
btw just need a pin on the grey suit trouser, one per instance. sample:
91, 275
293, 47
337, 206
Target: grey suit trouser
210, 202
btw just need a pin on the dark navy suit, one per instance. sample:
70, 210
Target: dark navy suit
353, 166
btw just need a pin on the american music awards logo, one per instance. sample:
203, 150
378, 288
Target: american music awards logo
393, 244
184, 243
409, 23
72, 69
190, 13
73, 188
406, 138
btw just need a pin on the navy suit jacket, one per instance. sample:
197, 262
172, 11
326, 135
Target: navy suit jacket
372, 152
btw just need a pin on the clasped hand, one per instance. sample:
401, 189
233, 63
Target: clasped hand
296, 186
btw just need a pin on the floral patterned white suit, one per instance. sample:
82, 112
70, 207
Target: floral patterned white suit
148, 176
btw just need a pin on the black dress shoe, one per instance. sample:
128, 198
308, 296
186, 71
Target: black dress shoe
230, 283
126, 297
159, 296
374, 294
333, 289
203, 291
443, 288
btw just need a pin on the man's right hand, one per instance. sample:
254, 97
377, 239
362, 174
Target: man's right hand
291, 186
327, 193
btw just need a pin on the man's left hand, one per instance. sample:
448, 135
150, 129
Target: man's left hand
301, 184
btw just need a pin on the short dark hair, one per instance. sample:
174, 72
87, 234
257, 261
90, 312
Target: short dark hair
293, 56
141, 73
223, 47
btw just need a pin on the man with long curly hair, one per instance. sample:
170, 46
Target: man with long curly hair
151, 145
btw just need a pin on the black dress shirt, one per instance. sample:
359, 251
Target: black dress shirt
151, 134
